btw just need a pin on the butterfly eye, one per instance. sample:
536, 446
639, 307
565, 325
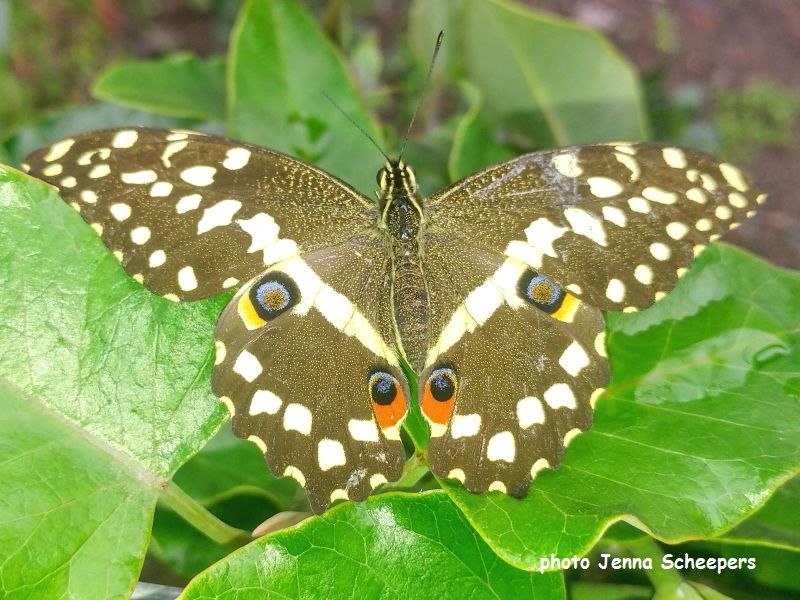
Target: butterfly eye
540, 291
273, 295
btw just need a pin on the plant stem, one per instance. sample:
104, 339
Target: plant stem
200, 518
416, 468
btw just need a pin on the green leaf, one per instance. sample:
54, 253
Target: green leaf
474, 147
777, 524
698, 427
280, 65
180, 85
546, 81
393, 545
105, 394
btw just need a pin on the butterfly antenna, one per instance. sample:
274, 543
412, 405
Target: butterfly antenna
439, 39
357, 126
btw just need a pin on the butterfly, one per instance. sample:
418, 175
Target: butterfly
491, 290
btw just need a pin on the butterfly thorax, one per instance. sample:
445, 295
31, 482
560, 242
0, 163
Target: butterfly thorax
401, 217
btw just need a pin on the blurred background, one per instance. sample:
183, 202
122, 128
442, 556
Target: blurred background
719, 75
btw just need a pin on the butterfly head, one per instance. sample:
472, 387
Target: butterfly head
397, 178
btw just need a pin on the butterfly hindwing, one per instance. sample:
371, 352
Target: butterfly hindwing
615, 224
309, 378
512, 379
193, 215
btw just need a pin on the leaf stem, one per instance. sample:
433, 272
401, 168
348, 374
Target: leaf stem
200, 518
667, 582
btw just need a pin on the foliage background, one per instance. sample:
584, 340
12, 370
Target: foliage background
706, 426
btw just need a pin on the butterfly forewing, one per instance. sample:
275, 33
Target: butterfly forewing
193, 215
615, 224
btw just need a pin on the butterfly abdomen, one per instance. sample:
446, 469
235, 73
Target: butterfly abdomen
411, 309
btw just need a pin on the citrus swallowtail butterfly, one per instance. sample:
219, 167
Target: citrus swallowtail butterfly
492, 289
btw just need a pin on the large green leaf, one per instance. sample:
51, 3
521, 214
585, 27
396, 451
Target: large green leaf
280, 65
180, 85
698, 427
105, 393
394, 545
545, 81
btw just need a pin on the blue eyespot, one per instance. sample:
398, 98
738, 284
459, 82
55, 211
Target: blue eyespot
442, 384
382, 387
541, 291
273, 295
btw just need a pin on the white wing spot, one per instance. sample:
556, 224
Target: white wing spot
335, 307
230, 282
574, 359
615, 215
199, 176
639, 205
738, 200
330, 453
465, 425
660, 251
625, 148
697, 195
58, 150
68, 182
674, 157
139, 177
501, 446
98, 228
570, 435
218, 215
587, 225
559, 395
615, 290
733, 176
539, 465
457, 474
53, 170
89, 197
228, 404
262, 230
157, 258
220, 351
161, 189
704, 225
603, 187
377, 479
677, 230
542, 233
363, 430
188, 203
186, 279
298, 418
723, 212
530, 412
497, 486
595, 395
262, 445
99, 171
140, 235
708, 182
236, 158
600, 344
171, 150
295, 474
657, 194
567, 164
483, 301
248, 366
177, 135
631, 164
643, 274
125, 139
120, 211
264, 401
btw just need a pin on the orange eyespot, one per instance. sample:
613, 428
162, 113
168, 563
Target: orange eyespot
438, 396
387, 397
